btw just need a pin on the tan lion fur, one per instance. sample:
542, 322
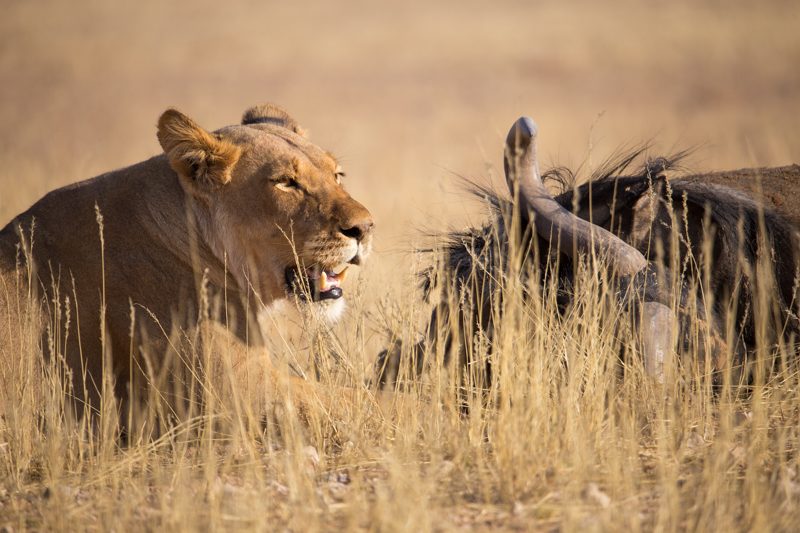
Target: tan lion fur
125, 264
192, 150
272, 114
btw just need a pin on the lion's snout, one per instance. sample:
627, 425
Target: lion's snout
355, 221
357, 226
359, 230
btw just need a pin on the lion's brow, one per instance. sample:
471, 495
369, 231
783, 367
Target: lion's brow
312, 155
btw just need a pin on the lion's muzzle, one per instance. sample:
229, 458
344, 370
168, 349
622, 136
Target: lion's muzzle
315, 284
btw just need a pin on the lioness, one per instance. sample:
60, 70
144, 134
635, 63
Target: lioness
254, 213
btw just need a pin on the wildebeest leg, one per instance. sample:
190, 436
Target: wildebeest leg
400, 362
391, 362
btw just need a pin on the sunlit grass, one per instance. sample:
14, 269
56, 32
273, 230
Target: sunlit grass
564, 434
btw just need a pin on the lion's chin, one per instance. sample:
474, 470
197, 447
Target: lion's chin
326, 311
329, 311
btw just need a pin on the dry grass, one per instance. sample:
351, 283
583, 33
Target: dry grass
406, 94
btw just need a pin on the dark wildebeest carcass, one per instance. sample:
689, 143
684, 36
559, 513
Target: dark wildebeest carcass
658, 237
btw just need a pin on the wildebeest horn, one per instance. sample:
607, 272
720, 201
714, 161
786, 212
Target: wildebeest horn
657, 322
551, 219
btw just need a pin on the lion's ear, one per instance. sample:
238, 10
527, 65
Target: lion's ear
271, 114
199, 157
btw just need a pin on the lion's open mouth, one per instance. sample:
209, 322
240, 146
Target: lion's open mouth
316, 283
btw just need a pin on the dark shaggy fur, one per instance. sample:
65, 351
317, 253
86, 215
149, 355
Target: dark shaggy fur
688, 229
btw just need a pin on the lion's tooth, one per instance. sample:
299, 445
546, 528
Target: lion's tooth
342, 275
323, 282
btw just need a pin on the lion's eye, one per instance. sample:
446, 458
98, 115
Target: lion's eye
288, 183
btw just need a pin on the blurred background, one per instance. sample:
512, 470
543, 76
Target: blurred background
407, 94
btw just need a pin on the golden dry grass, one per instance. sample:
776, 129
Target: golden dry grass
406, 94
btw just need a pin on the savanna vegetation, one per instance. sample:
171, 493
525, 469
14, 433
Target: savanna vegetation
566, 436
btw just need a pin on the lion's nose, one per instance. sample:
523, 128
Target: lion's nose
358, 230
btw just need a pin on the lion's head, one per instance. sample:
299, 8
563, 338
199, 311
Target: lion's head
271, 204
